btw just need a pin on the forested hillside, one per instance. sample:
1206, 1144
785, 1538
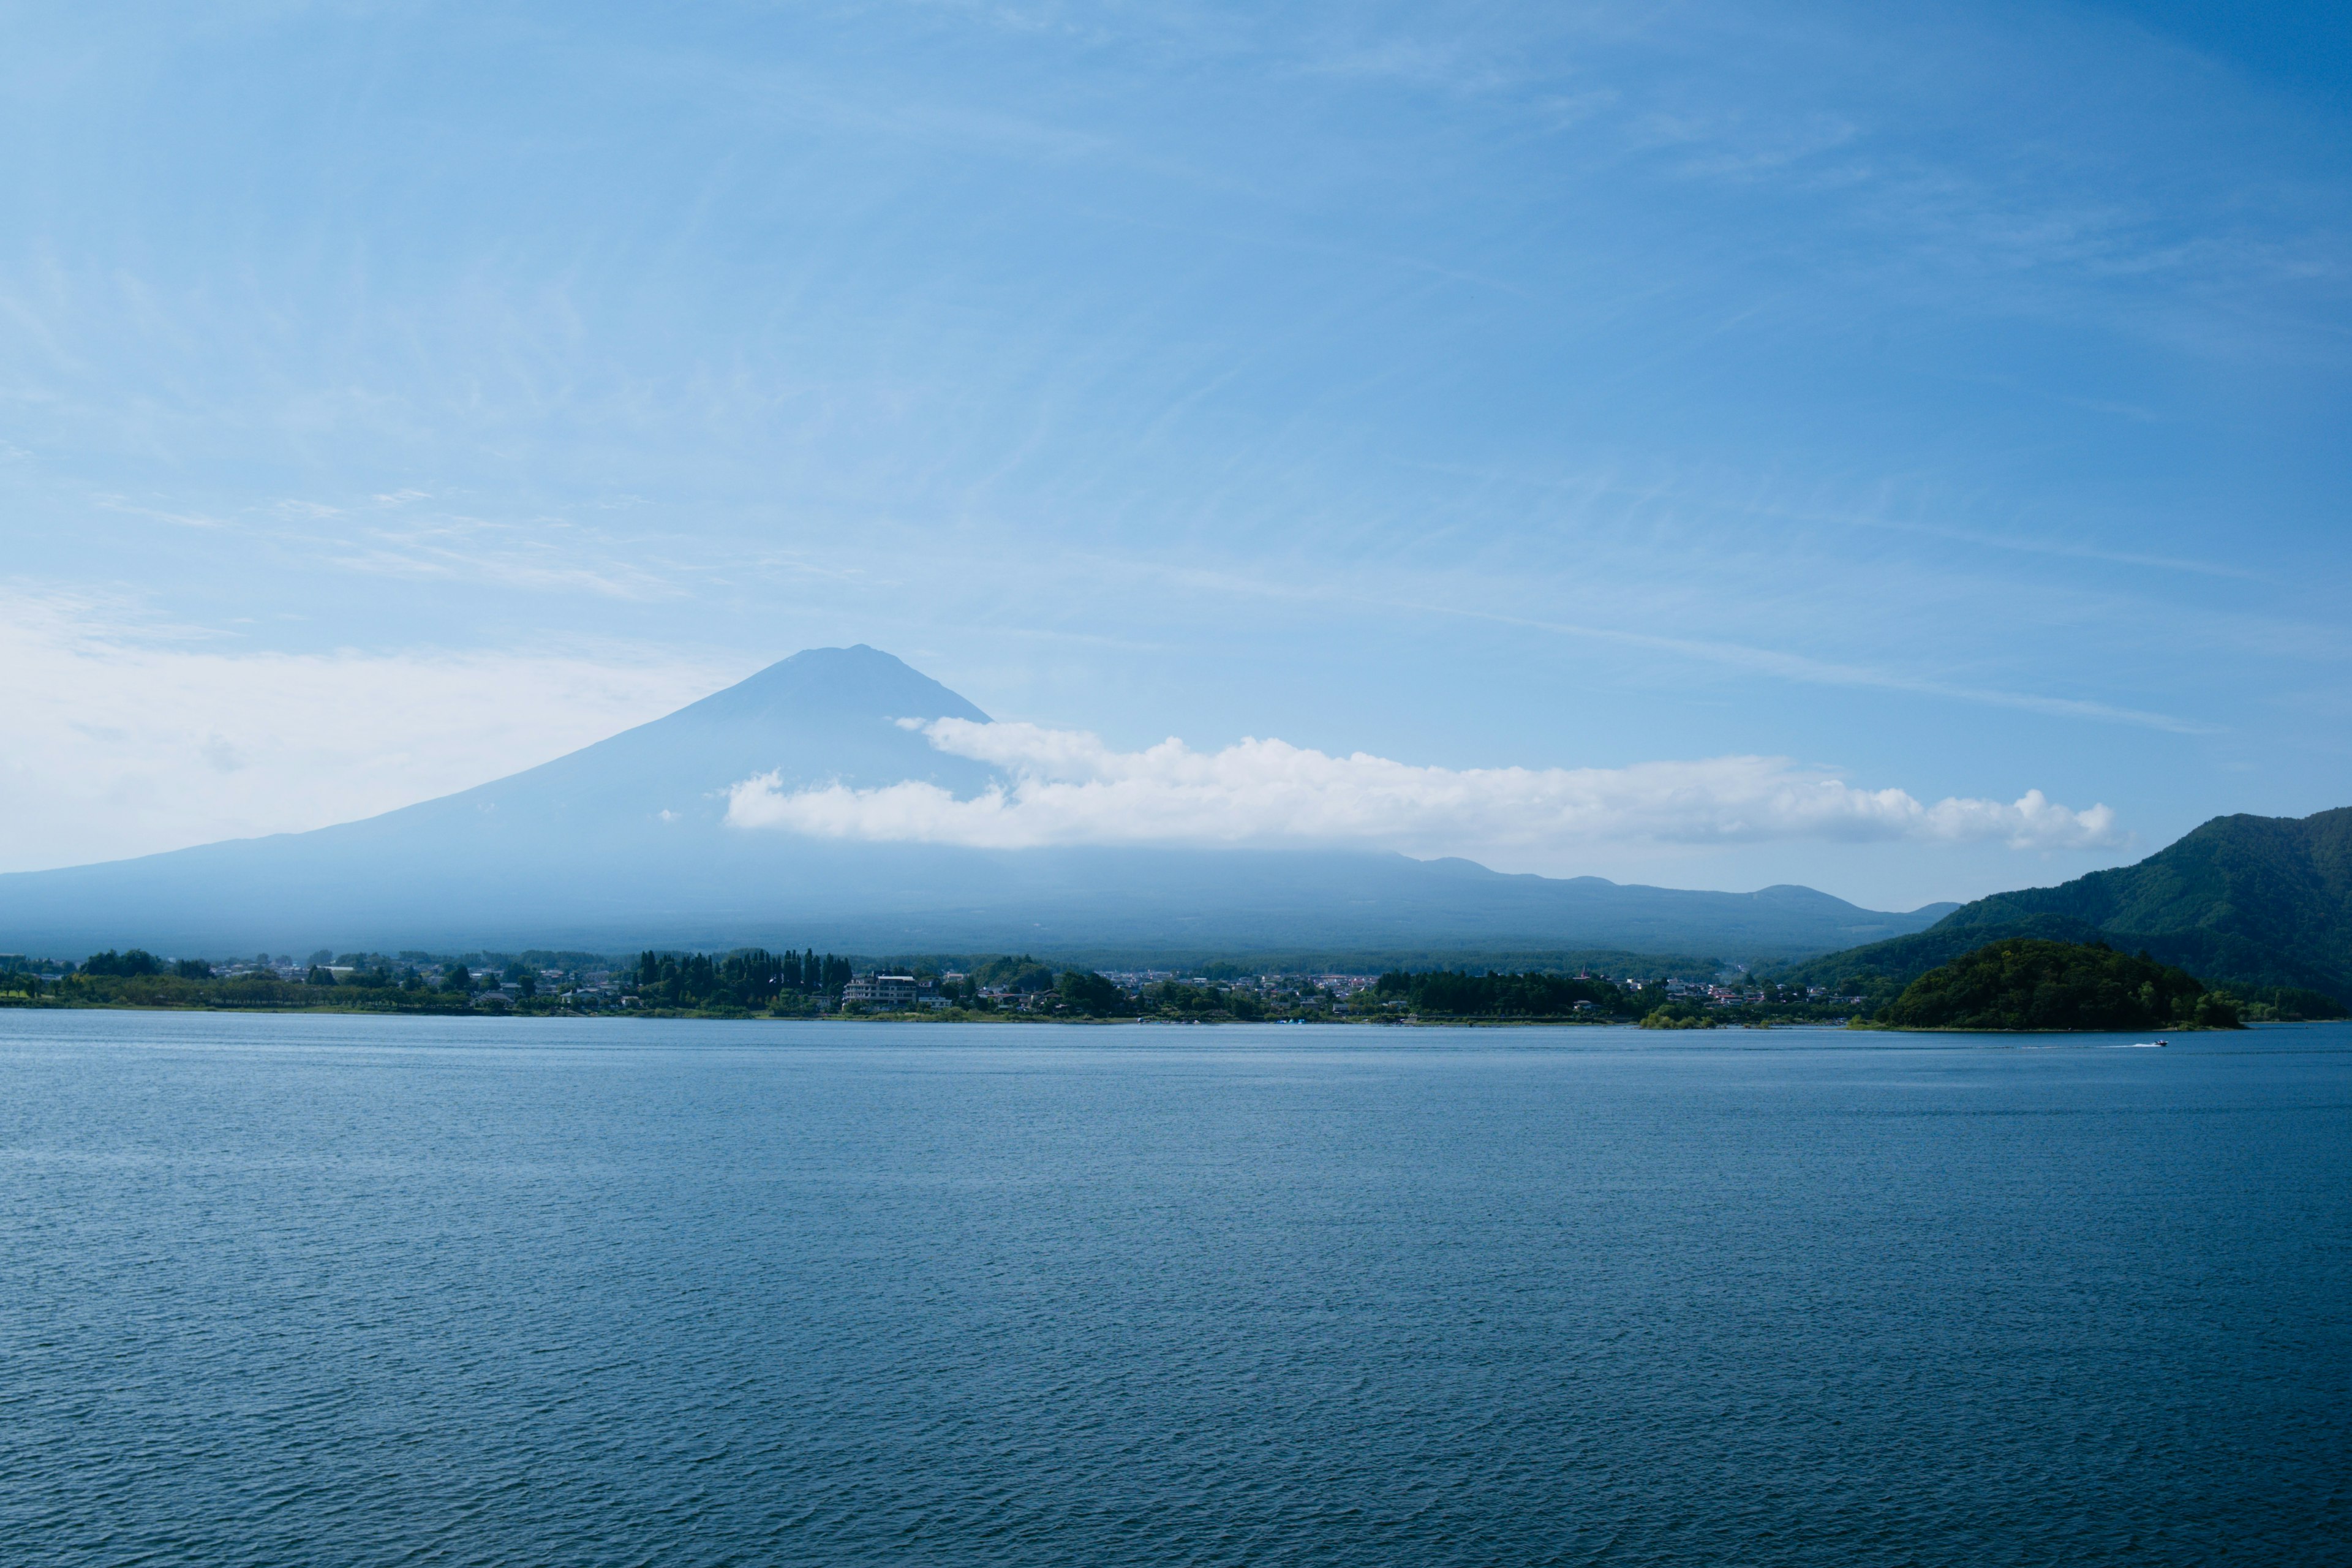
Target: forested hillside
2262, 905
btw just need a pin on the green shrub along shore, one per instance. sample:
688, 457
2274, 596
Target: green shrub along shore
2014, 985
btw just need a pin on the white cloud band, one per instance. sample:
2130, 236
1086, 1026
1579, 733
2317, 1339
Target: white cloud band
1065, 786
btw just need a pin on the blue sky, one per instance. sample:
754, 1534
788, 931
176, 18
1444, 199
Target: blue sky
1955, 401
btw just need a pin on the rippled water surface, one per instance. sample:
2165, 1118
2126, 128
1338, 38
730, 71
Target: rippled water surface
344, 1290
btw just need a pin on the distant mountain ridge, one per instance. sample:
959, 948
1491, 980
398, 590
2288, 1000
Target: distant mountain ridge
624, 844
2246, 901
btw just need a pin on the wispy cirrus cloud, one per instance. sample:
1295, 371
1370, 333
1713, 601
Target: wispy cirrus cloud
1781, 664
1065, 786
392, 536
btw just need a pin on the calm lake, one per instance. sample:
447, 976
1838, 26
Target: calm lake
312, 1290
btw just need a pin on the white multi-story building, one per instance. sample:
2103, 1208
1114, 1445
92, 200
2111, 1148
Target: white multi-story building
892, 992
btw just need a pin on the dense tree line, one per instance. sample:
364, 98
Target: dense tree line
127, 966
750, 978
1458, 994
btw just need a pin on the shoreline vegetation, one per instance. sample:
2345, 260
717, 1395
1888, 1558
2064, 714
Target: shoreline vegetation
2008, 987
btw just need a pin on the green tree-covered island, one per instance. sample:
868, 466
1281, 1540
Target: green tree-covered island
2024, 985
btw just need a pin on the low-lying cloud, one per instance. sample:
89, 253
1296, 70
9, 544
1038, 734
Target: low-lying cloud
1066, 787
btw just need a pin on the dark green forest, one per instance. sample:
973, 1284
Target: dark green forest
2022, 983
1460, 993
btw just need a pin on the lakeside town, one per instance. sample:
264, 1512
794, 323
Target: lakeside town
753, 981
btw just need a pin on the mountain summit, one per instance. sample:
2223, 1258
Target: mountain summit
625, 844
826, 715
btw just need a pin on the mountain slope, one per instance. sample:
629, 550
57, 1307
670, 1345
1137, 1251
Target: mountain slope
2244, 901
625, 843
